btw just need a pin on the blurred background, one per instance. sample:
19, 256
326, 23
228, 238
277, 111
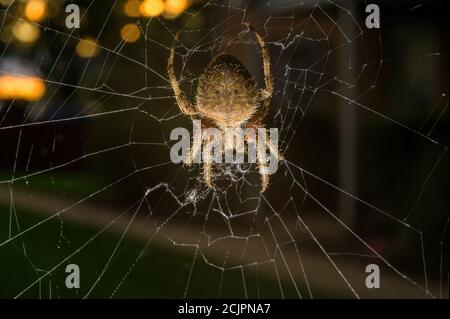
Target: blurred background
86, 178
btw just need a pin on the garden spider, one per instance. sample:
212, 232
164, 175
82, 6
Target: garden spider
227, 98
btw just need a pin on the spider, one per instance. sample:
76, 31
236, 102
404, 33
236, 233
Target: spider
227, 97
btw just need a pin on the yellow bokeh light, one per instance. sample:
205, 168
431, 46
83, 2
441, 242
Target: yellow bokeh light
131, 8
130, 33
173, 8
151, 8
35, 10
87, 48
26, 88
25, 32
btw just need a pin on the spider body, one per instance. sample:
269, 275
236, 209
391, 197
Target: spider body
226, 93
227, 98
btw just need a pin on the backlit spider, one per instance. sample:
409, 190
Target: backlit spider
227, 97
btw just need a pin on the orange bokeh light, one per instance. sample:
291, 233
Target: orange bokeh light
152, 8
26, 88
35, 10
131, 8
173, 8
130, 33
87, 48
25, 32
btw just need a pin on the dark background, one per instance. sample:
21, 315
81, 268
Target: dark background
363, 119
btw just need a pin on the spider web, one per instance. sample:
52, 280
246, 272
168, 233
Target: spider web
362, 125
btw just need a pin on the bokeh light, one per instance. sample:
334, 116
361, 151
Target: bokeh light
130, 33
21, 88
35, 10
25, 32
87, 48
173, 8
152, 8
131, 8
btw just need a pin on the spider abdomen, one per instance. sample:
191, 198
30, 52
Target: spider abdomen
226, 92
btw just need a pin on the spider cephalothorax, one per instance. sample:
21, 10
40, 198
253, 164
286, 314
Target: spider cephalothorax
227, 98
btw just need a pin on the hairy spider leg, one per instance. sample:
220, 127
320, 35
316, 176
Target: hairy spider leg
268, 91
185, 106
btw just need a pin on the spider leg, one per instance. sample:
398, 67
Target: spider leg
207, 168
207, 173
262, 167
274, 151
196, 147
261, 158
266, 94
195, 151
183, 104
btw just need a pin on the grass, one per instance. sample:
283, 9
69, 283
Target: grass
67, 184
160, 273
